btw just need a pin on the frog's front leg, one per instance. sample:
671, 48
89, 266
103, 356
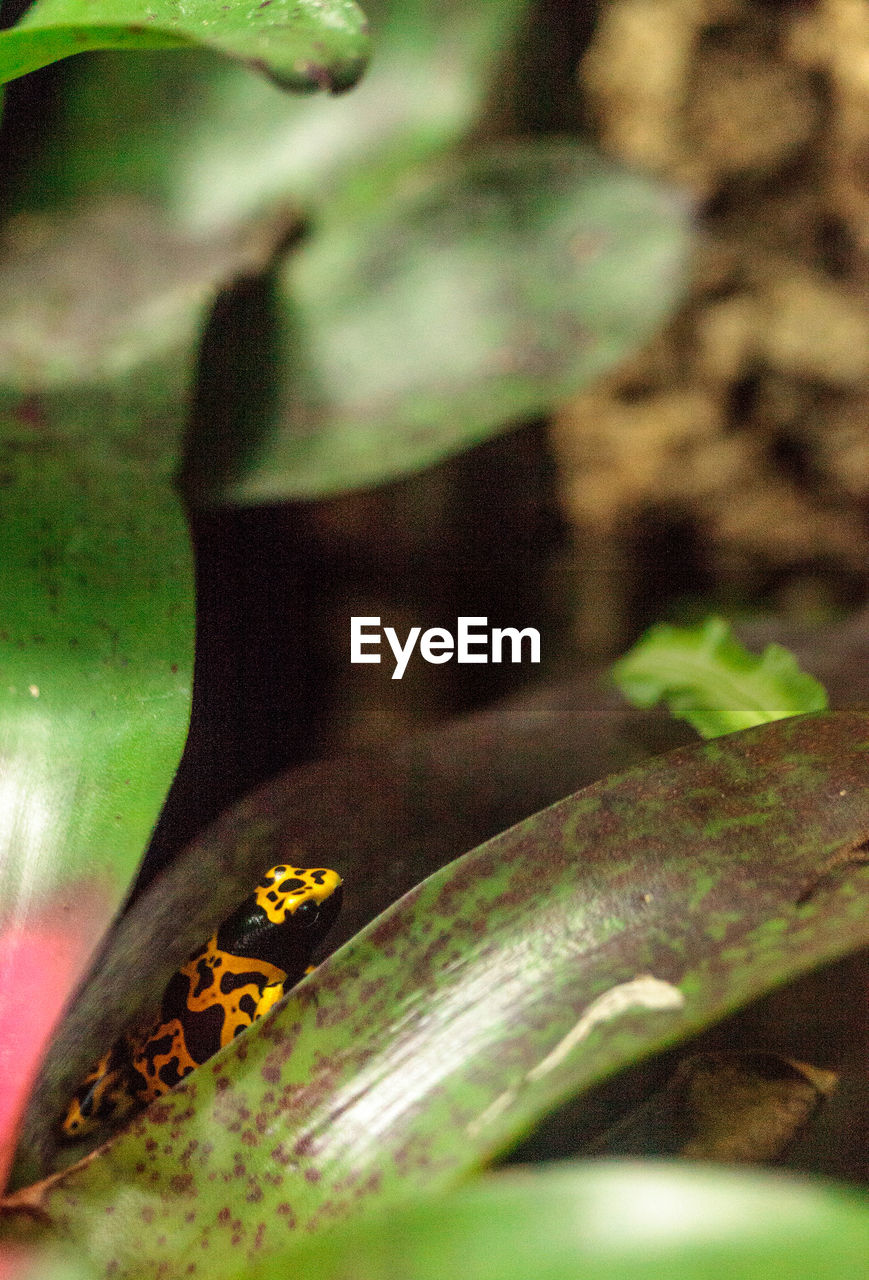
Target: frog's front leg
274, 992
107, 1091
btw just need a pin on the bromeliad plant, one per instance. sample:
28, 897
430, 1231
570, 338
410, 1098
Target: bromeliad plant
441, 293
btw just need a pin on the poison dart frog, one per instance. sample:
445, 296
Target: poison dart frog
254, 958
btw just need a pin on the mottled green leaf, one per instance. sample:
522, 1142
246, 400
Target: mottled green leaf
604, 1221
301, 44
708, 678
464, 303
609, 925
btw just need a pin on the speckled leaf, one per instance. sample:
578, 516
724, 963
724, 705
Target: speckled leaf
98, 316
469, 300
301, 44
604, 1221
213, 144
610, 924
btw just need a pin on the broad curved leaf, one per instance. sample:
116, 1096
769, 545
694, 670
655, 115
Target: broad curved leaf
606, 926
301, 44
467, 301
99, 316
604, 1221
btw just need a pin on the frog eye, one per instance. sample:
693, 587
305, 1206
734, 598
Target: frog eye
307, 912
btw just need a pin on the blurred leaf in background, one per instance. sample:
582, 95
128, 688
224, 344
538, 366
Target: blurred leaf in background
708, 678
605, 1221
464, 301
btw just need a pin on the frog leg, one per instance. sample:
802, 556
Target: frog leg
105, 1093
274, 992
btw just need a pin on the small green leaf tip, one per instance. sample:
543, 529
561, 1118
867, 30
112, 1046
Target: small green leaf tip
708, 678
300, 44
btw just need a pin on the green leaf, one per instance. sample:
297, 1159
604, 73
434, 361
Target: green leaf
609, 925
706, 677
100, 314
95, 673
301, 45
603, 1221
214, 145
464, 303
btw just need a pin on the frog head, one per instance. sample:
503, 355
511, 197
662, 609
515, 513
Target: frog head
285, 918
